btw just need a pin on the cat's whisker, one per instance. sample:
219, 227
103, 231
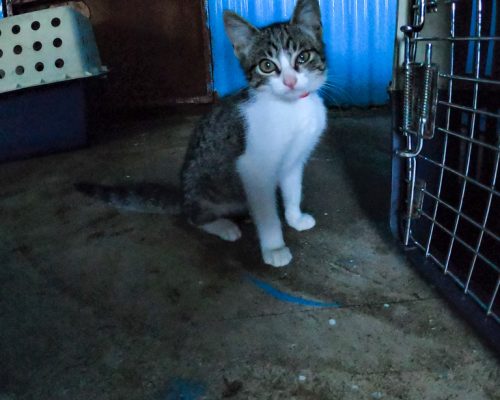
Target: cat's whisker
332, 95
333, 89
330, 99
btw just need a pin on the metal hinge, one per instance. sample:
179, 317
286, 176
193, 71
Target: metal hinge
419, 99
418, 199
420, 94
419, 102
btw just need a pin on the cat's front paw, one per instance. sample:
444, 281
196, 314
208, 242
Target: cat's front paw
301, 222
277, 257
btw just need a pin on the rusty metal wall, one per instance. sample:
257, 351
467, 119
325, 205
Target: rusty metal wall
359, 35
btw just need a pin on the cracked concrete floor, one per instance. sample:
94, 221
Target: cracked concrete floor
98, 304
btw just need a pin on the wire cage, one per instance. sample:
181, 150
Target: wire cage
446, 139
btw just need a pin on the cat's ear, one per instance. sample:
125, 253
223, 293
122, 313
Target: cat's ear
308, 16
240, 33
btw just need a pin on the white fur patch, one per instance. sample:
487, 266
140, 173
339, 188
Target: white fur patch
280, 137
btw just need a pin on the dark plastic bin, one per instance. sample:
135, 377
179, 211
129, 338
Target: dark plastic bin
42, 120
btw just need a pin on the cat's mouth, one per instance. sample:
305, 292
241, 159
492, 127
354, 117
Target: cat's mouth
295, 94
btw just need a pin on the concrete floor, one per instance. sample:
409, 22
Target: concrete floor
98, 304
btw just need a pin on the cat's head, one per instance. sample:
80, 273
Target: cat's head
285, 59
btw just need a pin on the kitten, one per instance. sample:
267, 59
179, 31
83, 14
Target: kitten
259, 140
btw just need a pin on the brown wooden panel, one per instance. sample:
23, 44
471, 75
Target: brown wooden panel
157, 51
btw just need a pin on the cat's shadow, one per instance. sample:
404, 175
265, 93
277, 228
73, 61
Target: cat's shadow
360, 143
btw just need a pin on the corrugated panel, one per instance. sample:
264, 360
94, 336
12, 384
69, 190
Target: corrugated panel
359, 35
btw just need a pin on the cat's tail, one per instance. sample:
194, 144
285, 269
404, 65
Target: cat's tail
148, 198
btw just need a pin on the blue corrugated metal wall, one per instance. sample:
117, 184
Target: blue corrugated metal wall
359, 35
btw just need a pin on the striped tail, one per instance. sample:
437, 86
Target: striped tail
150, 198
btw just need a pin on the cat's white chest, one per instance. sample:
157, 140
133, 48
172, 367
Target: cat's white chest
281, 133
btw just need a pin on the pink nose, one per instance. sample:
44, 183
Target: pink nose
290, 81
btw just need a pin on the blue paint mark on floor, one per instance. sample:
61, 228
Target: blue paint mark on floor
184, 389
278, 294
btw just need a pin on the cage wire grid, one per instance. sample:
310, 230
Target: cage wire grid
456, 223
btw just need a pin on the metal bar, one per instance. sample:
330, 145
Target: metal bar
431, 256
467, 306
468, 139
448, 273
455, 38
485, 221
412, 172
464, 216
419, 16
439, 263
468, 79
469, 109
461, 284
410, 131
492, 301
468, 179
454, 236
477, 66
483, 305
448, 116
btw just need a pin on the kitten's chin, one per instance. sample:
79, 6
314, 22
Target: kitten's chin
295, 95
289, 95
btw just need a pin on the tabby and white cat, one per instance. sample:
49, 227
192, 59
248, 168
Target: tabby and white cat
259, 140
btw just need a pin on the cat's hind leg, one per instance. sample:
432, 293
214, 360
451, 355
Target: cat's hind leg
210, 217
223, 228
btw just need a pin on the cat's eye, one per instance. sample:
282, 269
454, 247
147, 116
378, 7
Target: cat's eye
267, 66
303, 57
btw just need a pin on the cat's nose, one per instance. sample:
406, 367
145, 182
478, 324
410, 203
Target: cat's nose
290, 81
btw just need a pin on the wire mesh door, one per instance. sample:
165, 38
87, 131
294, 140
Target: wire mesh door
446, 195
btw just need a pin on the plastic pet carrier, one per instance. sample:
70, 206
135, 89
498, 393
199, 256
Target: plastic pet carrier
44, 58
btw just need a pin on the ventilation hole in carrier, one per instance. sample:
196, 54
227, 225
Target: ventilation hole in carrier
59, 63
19, 70
1, 53
39, 66
16, 29
57, 42
35, 25
55, 22
2, 73
18, 49
37, 46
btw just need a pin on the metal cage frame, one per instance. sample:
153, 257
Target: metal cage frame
446, 139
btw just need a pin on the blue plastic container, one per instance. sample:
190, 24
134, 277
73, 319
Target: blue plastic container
42, 119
